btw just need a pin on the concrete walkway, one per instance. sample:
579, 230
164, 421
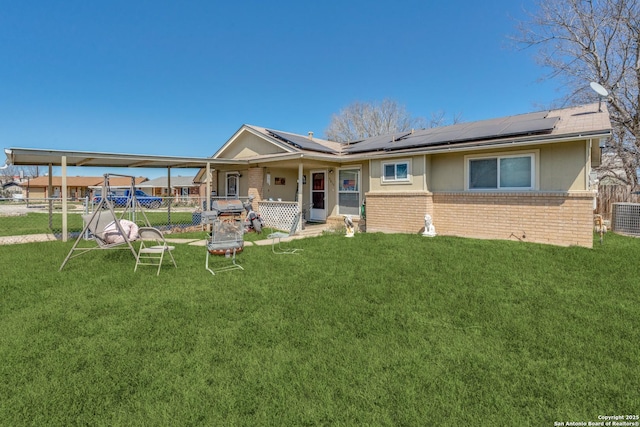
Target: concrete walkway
27, 238
309, 231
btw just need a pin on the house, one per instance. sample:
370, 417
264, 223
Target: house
524, 177
78, 187
12, 189
183, 188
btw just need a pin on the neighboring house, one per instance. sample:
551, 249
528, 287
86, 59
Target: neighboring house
524, 177
12, 189
182, 187
78, 187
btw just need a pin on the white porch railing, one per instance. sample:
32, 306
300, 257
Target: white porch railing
276, 214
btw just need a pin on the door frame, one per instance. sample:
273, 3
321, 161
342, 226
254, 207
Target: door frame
318, 214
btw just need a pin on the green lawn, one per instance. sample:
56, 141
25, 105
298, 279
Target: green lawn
375, 330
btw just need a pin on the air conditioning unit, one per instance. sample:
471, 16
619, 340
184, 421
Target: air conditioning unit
625, 218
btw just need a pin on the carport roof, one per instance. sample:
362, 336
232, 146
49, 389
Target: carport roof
43, 157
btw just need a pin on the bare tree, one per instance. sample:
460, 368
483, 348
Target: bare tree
362, 120
439, 119
8, 173
581, 41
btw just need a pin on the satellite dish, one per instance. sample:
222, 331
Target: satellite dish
599, 89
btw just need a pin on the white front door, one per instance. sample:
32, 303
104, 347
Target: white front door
318, 211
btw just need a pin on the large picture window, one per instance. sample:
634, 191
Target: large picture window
349, 192
512, 172
395, 171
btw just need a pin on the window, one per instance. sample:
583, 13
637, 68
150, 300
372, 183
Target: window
513, 172
395, 172
349, 192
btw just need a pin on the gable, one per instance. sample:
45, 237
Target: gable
246, 145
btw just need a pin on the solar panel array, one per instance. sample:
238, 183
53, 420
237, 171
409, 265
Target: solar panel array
301, 142
521, 125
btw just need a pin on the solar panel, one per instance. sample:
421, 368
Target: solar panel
302, 142
521, 125
381, 142
530, 126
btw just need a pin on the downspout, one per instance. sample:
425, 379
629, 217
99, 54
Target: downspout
424, 173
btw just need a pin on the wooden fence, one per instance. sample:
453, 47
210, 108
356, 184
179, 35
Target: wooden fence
609, 194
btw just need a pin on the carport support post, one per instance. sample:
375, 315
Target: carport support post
49, 196
170, 195
64, 198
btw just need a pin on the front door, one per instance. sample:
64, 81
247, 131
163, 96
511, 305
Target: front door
232, 185
318, 211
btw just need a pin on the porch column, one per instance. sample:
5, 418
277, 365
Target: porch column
256, 185
207, 196
300, 178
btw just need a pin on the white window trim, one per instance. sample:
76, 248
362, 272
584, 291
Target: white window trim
406, 180
359, 184
535, 169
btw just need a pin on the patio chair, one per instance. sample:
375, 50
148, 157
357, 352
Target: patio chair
153, 248
227, 240
279, 235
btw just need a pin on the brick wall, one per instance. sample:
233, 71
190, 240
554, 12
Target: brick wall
401, 212
202, 189
256, 183
554, 218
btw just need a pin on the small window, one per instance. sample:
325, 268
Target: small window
395, 172
502, 173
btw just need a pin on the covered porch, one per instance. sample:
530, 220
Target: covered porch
323, 191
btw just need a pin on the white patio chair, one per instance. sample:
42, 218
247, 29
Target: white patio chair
153, 248
279, 235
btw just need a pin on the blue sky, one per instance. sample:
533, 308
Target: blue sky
179, 78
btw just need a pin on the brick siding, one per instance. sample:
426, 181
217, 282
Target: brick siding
562, 219
256, 183
401, 212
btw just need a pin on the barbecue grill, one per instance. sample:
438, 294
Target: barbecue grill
231, 207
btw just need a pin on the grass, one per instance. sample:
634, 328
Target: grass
374, 330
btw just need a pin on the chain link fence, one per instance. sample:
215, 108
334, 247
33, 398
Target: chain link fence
26, 217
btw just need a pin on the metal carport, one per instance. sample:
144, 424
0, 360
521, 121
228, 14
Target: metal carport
65, 158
